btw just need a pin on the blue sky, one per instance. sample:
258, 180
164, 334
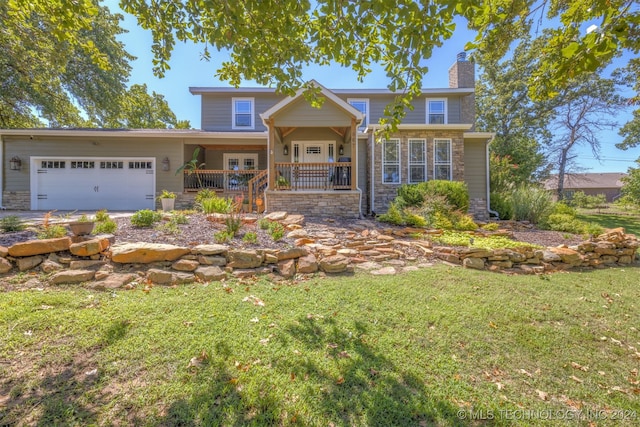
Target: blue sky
187, 69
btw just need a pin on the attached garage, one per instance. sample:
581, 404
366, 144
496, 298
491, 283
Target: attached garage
92, 183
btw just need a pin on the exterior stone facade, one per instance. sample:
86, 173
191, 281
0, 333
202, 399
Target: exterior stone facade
18, 200
385, 193
478, 208
330, 204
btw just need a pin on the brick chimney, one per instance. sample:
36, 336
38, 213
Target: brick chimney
462, 74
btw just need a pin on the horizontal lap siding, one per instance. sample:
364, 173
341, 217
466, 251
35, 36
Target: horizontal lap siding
216, 110
24, 148
301, 113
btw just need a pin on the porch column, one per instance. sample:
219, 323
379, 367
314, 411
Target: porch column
271, 154
354, 148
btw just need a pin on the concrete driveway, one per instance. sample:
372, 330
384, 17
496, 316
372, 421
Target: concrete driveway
37, 217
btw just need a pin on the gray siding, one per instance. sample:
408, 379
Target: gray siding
475, 168
216, 110
301, 113
92, 147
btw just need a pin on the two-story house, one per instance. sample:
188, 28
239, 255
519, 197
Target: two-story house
259, 144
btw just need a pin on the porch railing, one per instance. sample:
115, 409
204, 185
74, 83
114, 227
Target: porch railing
223, 180
257, 185
313, 176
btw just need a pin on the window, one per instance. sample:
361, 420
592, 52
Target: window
242, 113
52, 164
436, 111
417, 160
361, 105
391, 161
111, 165
140, 165
442, 159
82, 165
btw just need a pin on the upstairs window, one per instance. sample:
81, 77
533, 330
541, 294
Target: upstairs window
242, 114
361, 105
436, 111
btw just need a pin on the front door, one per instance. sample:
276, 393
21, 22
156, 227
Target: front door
313, 151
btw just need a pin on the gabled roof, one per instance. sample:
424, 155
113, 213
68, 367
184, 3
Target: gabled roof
345, 106
587, 180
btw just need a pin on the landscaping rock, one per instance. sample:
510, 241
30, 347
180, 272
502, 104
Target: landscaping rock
210, 274
86, 264
385, 271
182, 278
161, 277
28, 263
4, 252
276, 216
5, 265
145, 253
39, 247
49, 266
72, 276
293, 220
244, 258
474, 263
185, 265
209, 249
568, 256
112, 281
307, 264
295, 234
291, 253
334, 264
89, 247
214, 260
287, 268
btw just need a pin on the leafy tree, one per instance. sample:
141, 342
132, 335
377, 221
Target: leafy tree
585, 108
631, 187
61, 65
520, 123
139, 110
271, 41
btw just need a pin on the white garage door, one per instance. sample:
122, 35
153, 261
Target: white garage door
92, 183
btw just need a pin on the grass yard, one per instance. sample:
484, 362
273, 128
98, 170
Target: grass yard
613, 217
441, 346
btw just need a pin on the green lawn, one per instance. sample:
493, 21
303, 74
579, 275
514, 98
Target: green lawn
613, 217
439, 346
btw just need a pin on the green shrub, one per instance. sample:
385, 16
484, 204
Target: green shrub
233, 222
222, 236
169, 227
491, 226
455, 192
276, 231
393, 215
531, 204
205, 193
581, 200
145, 218
563, 208
11, 223
179, 218
102, 215
570, 224
414, 220
410, 195
52, 231
501, 203
250, 237
216, 205
107, 226
263, 223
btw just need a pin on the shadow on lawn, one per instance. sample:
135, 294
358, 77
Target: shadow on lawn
65, 393
349, 384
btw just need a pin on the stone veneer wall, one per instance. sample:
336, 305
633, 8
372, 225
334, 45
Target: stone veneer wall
385, 193
478, 209
18, 200
330, 204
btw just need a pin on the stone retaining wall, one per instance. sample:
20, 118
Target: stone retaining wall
609, 249
330, 204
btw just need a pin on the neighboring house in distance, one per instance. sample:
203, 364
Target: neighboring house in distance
592, 184
255, 143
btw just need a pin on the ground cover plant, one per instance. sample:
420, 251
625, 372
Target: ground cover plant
442, 345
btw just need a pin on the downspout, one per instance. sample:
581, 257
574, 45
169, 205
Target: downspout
372, 176
1, 170
496, 214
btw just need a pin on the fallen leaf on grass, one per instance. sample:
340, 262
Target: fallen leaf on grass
198, 361
332, 345
580, 367
187, 323
253, 299
542, 395
576, 379
522, 371
254, 320
344, 355
340, 380
493, 325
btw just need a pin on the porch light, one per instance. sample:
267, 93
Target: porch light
15, 164
285, 150
166, 165
341, 150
